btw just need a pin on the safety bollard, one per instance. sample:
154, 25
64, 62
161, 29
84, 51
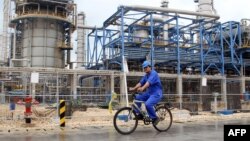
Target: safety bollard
215, 94
62, 113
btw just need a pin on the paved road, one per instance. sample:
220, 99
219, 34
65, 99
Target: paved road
203, 131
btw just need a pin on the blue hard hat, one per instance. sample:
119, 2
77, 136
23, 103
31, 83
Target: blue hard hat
145, 64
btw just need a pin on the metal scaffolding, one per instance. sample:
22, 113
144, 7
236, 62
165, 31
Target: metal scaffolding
194, 43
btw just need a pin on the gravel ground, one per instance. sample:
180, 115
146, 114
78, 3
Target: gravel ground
44, 119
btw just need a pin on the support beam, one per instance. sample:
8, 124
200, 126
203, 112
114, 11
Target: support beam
224, 91
179, 89
74, 86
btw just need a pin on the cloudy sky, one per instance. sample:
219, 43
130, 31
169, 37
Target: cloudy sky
99, 10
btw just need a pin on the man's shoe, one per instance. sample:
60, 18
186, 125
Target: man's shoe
156, 121
138, 117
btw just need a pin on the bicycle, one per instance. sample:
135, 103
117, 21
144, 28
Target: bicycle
125, 121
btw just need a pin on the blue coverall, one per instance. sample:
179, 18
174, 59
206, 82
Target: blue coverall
153, 93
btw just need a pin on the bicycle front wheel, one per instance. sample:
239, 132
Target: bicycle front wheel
166, 118
124, 121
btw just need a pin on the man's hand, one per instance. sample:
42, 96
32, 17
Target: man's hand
144, 87
131, 89
140, 89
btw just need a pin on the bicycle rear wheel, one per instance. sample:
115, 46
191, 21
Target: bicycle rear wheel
124, 121
166, 118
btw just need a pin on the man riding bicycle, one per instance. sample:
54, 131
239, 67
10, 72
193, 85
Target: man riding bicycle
153, 94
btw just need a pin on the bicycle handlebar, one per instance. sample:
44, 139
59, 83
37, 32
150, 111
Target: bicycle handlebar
133, 95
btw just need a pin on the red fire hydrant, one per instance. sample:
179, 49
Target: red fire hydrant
28, 103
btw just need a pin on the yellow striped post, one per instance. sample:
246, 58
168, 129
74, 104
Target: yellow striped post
62, 113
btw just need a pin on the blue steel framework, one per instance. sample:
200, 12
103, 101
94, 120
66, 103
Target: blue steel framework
197, 43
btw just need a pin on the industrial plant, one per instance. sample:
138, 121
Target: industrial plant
197, 57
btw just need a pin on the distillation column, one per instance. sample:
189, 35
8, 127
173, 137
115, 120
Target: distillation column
81, 46
43, 33
4, 46
164, 4
206, 7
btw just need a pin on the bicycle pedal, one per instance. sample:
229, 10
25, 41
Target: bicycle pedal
147, 119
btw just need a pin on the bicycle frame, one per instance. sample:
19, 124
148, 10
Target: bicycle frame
135, 106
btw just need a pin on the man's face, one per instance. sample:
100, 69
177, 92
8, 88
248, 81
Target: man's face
147, 69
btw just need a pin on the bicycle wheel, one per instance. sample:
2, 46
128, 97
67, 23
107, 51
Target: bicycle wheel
124, 121
166, 118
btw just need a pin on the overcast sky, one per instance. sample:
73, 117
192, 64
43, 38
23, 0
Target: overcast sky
99, 10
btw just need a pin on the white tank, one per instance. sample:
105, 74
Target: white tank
140, 34
5, 17
44, 31
164, 4
206, 6
81, 46
40, 40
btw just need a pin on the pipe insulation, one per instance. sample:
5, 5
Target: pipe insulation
170, 10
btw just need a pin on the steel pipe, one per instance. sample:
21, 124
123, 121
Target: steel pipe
155, 19
88, 27
58, 2
170, 10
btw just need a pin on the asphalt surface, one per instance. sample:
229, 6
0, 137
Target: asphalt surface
202, 131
